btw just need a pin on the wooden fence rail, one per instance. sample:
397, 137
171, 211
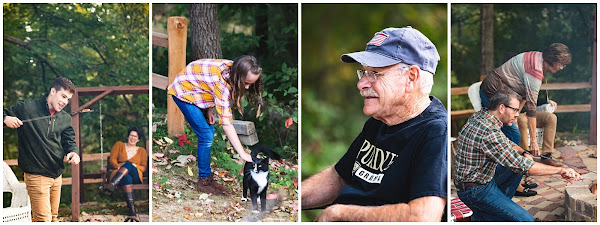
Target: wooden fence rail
461, 114
68, 180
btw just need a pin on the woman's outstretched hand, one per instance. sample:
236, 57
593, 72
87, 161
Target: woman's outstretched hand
246, 156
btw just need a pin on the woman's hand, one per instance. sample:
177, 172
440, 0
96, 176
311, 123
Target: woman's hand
211, 116
235, 142
245, 156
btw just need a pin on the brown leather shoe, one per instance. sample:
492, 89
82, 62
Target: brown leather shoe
205, 186
551, 162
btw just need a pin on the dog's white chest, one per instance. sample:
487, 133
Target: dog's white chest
261, 179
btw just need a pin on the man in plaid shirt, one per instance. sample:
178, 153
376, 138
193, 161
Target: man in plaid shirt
489, 166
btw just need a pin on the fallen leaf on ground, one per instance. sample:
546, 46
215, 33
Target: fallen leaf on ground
272, 196
203, 196
190, 171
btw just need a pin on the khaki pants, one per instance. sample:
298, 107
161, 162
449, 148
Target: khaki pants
545, 120
44, 193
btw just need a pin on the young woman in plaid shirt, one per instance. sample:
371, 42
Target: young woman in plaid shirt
206, 85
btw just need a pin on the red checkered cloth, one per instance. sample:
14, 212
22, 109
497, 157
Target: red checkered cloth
459, 210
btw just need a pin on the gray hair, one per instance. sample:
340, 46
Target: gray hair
425, 81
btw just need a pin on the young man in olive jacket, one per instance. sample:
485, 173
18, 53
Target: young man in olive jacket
46, 139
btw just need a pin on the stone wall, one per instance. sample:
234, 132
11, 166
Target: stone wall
580, 203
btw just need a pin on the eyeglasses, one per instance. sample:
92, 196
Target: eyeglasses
373, 75
559, 65
514, 109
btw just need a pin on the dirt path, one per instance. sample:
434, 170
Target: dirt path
174, 199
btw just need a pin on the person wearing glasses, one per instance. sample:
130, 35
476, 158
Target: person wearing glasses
523, 74
395, 170
489, 166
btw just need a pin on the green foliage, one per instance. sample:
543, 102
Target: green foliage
528, 27
91, 44
275, 48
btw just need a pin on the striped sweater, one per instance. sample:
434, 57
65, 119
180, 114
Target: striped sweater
522, 74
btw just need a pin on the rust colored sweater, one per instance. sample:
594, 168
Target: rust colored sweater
118, 157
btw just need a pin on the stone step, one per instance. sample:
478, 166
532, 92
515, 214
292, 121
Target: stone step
244, 127
249, 140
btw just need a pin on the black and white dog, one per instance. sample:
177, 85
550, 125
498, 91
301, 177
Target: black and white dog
256, 176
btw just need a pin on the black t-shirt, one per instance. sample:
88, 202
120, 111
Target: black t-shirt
396, 164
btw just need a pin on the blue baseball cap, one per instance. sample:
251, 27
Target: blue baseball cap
394, 45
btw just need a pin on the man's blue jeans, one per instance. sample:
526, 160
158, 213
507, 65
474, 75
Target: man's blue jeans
493, 201
512, 132
204, 131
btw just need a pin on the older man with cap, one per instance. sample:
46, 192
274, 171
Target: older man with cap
395, 170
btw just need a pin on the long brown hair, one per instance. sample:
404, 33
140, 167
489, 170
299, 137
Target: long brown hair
238, 72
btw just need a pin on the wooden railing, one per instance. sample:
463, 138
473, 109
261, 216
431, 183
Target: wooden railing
68, 180
459, 114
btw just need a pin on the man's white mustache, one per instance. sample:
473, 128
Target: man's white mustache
369, 93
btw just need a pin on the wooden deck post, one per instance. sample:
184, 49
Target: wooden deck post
75, 169
177, 31
594, 109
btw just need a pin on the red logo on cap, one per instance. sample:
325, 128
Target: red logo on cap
378, 39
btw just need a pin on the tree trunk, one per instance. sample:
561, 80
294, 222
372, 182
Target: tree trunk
487, 39
261, 29
204, 30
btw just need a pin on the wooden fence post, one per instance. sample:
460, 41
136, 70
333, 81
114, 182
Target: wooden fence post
177, 31
75, 169
594, 108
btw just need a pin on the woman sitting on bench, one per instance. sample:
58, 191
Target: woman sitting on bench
129, 163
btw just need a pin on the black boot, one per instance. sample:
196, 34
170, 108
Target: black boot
114, 182
131, 206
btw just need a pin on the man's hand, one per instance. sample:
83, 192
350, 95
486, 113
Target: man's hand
535, 149
211, 117
570, 175
529, 156
73, 158
330, 214
12, 122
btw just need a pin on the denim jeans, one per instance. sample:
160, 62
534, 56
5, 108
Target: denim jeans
493, 201
512, 131
132, 176
203, 130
